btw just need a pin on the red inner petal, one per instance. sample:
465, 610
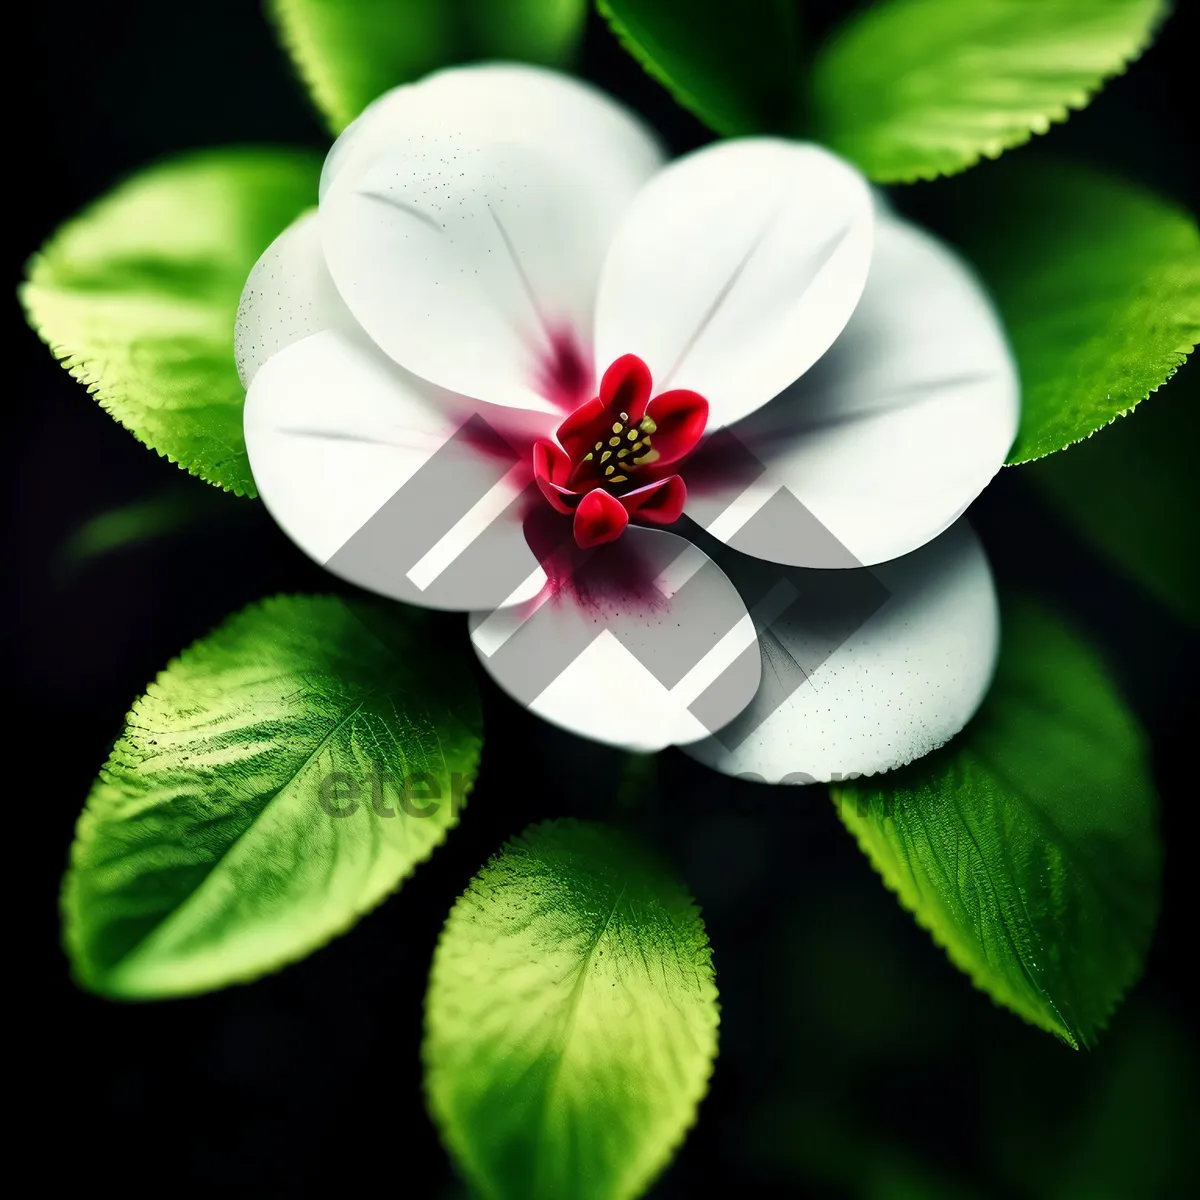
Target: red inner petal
551, 469
679, 418
660, 503
625, 387
579, 432
549, 462
599, 518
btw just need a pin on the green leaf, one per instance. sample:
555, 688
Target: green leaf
138, 294
251, 812
348, 52
1098, 283
735, 66
914, 89
1133, 493
1028, 848
571, 1019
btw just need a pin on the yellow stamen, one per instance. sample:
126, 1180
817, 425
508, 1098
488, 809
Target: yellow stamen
605, 456
648, 425
614, 441
619, 479
608, 470
617, 427
633, 435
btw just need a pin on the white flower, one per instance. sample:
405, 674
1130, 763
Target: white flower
511, 345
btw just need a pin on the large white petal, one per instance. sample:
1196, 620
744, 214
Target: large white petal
888, 439
864, 670
641, 643
466, 218
288, 296
735, 269
376, 477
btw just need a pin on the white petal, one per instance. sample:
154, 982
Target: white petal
374, 477
888, 439
498, 102
288, 296
642, 643
735, 269
466, 220
867, 669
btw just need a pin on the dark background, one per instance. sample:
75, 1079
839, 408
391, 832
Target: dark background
853, 1056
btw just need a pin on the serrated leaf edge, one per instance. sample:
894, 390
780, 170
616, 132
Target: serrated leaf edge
1055, 116
108, 396
300, 54
680, 94
1076, 1039
83, 834
694, 910
977, 978
1184, 352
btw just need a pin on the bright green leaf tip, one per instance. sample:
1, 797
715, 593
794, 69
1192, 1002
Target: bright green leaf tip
137, 297
234, 828
571, 1019
916, 89
1028, 848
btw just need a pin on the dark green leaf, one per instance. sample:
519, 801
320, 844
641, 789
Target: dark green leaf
1028, 848
1134, 491
138, 294
252, 811
913, 89
571, 1020
1098, 283
348, 52
734, 65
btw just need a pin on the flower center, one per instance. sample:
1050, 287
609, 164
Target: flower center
616, 456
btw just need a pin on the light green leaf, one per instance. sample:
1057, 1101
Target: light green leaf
251, 811
348, 52
1028, 848
1098, 283
571, 1019
736, 66
138, 294
914, 89
1133, 493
